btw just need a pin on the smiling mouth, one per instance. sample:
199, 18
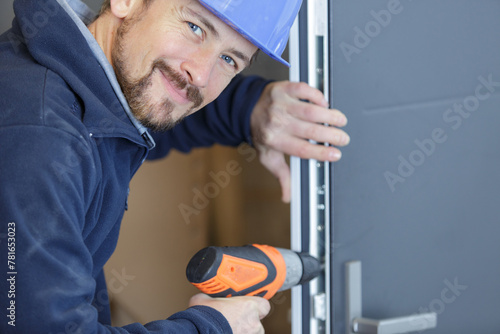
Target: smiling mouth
180, 91
178, 94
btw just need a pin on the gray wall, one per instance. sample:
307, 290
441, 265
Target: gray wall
6, 15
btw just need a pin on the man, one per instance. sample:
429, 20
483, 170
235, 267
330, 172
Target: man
77, 103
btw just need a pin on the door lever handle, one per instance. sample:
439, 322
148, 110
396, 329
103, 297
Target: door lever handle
398, 325
357, 324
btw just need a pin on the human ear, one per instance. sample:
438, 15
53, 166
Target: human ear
122, 8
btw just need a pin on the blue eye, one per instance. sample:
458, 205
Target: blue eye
197, 30
228, 60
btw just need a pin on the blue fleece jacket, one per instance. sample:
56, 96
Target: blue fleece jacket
68, 149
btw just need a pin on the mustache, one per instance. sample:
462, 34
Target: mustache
193, 94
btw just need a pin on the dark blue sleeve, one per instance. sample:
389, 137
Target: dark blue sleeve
193, 320
48, 286
225, 121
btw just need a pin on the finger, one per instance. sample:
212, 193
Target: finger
282, 173
263, 307
275, 162
285, 187
306, 150
319, 133
313, 113
199, 299
303, 91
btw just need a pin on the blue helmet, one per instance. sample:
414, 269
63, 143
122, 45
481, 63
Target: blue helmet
265, 23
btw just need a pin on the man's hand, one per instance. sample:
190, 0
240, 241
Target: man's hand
243, 313
282, 123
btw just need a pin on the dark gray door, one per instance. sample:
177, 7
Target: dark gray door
416, 196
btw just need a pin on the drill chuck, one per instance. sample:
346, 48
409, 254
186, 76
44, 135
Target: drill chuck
300, 268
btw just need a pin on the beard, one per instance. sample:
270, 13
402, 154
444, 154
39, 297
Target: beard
156, 116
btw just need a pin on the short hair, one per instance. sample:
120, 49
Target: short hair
106, 5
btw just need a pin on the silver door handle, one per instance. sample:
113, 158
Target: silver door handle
407, 324
357, 324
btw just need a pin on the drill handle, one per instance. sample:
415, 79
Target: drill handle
252, 270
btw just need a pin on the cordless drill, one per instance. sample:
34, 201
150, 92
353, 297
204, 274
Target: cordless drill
251, 270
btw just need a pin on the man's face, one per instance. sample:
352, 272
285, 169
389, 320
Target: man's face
173, 58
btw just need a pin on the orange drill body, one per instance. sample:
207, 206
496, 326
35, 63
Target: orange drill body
252, 270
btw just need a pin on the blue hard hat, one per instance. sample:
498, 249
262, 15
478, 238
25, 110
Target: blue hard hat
265, 23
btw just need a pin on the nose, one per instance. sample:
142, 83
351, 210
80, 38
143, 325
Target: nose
198, 69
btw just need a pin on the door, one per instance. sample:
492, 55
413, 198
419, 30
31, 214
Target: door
415, 200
